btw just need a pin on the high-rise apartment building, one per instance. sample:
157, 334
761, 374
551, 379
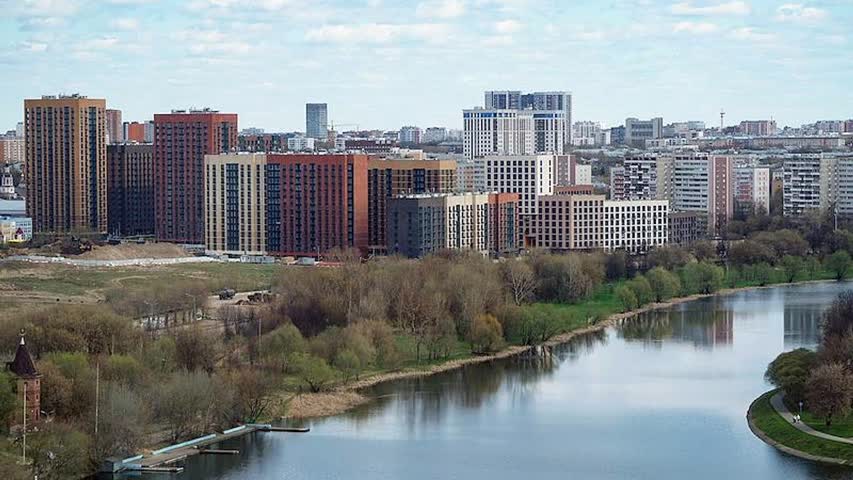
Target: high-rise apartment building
390, 178
512, 132
115, 130
12, 148
435, 135
758, 128
181, 140
636, 180
421, 224
235, 204
638, 131
139, 132
410, 135
316, 203
66, 165
752, 189
591, 222
530, 176
497, 132
550, 101
130, 189
721, 190
801, 184
316, 121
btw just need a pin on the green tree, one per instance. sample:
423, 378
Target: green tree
626, 297
315, 372
196, 349
763, 273
642, 289
664, 284
839, 264
123, 417
701, 277
790, 371
280, 346
793, 266
486, 334
59, 451
829, 392
8, 398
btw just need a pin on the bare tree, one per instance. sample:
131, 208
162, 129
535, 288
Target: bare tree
520, 280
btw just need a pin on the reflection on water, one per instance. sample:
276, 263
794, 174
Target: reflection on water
660, 397
710, 326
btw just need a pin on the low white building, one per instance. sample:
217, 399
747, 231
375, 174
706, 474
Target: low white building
300, 144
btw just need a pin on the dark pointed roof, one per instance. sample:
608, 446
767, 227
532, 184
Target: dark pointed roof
23, 365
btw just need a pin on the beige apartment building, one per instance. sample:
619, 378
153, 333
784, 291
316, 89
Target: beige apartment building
235, 204
590, 222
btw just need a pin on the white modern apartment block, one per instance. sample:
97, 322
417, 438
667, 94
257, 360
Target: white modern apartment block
590, 222
583, 174
530, 176
234, 203
586, 134
801, 184
549, 131
470, 175
497, 132
300, 144
516, 100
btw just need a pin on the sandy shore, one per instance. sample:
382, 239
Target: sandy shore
346, 397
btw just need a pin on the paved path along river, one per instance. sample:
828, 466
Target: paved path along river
661, 397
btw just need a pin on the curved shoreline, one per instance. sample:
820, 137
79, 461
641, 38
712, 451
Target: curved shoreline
347, 397
750, 420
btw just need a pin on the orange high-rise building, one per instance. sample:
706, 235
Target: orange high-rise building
66, 163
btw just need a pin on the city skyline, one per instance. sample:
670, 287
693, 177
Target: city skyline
681, 60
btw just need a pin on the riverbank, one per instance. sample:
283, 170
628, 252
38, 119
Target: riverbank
346, 397
768, 425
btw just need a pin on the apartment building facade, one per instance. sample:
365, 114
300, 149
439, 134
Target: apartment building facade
66, 163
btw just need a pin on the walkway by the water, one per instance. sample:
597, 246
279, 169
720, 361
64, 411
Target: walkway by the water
781, 409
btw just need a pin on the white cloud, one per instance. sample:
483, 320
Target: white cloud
508, 26
590, 35
47, 8
378, 33
695, 28
835, 39
728, 8
102, 43
125, 23
33, 46
496, 41
750, 34
799, 13
212, 42
440, 9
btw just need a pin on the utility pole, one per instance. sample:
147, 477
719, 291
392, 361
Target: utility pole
24, 442
97, 394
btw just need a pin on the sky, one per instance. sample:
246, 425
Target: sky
388, 63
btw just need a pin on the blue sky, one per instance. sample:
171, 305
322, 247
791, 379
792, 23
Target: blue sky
387, 63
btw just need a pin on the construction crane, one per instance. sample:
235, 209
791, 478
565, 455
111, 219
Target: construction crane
331, 125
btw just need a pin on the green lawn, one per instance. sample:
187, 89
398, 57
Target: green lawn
777, 428
599, 306
841, 427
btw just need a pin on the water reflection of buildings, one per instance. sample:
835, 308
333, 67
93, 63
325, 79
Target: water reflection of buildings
705, 324
802, 326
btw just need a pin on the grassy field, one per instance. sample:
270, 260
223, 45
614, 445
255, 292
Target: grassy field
777, 428
841, 427
76, 281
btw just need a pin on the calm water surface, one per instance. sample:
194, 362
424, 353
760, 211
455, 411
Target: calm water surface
662, 397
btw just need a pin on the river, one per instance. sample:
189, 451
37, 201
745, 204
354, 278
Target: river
663, 396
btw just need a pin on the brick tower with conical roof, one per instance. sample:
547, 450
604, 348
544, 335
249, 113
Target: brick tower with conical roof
28, 383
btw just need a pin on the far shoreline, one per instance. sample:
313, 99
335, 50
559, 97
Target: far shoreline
346, 397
